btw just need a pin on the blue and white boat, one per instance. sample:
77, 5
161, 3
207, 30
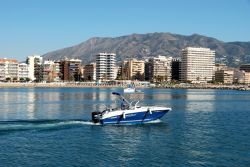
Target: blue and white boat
128, 113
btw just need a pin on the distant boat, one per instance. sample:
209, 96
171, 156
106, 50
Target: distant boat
128, 113
129, 89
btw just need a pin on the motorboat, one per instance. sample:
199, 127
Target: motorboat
129, 89
129, 113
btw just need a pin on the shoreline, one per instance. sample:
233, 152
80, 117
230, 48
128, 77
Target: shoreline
91, 85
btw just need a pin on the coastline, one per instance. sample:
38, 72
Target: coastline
91, 85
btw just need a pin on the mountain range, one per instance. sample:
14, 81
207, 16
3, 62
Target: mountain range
141, 46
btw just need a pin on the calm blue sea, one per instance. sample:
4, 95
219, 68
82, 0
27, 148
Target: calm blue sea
51, 127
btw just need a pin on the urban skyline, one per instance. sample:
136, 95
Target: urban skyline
37, 27
197, 65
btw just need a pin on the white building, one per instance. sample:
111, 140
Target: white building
8, 69
197, 65
34, 63
23, 71
105, 66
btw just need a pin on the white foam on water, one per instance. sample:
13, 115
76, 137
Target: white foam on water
15, 126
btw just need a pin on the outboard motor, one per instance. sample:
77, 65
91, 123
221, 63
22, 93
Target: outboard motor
96, 117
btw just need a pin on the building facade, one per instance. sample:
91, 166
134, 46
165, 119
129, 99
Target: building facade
34, 63
133, 69
90, 72
70, 69
158, 69
23, 72
224, 76
245, 67
197, 65
105, 66
175, 71
8, 69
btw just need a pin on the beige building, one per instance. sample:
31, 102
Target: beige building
50, 71
242, 77
159, 69
247, 77
224, 76
197, 65
133, 69
220, 67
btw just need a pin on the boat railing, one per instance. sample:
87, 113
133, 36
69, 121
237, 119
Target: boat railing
135, 104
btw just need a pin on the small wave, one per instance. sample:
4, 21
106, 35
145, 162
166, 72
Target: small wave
21, 125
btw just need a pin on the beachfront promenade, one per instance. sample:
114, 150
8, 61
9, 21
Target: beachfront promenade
106, 85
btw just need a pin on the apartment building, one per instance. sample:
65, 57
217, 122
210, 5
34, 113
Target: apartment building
90, 72
158, 69
23, 72
35, 69
71, 69
8, 69
175, 70
245, 67
133, 69
224, 76
105, 66
197, 65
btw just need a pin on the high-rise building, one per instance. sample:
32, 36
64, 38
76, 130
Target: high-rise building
35, 67
105, 66
158, 69
197, 65
133, 69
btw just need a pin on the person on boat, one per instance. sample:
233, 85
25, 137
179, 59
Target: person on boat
123, 104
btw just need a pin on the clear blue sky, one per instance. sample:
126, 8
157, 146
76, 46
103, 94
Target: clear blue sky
38, 26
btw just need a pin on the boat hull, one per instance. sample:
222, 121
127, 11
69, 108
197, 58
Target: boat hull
134, 118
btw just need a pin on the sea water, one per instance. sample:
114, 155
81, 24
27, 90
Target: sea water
52, 127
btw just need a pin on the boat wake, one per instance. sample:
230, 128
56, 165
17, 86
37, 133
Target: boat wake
22, 125
40, 125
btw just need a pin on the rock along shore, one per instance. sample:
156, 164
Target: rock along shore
104, 85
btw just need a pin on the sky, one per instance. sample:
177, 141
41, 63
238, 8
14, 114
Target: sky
30, 27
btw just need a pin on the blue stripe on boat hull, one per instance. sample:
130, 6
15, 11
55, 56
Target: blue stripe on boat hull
135, 118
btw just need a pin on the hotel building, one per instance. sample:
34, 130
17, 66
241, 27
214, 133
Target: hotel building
197, 65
